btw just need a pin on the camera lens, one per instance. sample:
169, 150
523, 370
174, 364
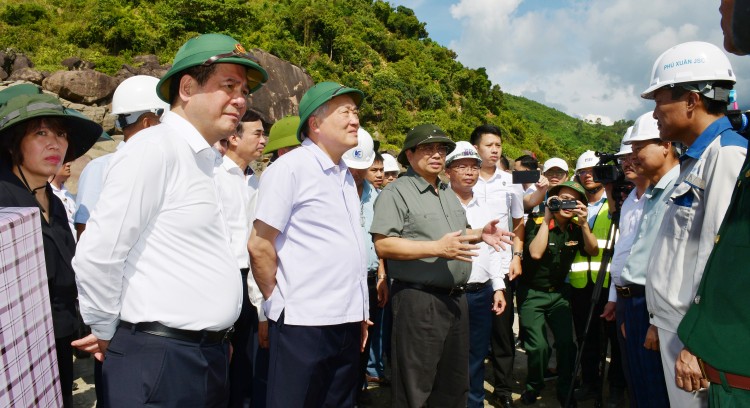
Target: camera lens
554, 204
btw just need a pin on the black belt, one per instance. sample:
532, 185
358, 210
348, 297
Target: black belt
158, 329
454, 291
629, 291
475, 286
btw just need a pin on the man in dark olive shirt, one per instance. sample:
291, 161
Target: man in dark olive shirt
421, 229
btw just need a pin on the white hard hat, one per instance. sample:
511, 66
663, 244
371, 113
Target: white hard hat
390, 164
463, 150
363, 155
691, 62
554, 162
134, 97
625, 147
586, 160
645, 128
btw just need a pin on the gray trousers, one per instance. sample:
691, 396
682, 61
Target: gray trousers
430, 346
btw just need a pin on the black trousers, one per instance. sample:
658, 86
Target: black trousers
601, 333
430, 349
313, 366
146, 370
243, 351
503, 350
65, 367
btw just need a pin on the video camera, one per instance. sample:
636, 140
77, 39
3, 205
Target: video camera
607, 173
556, 204
612, 174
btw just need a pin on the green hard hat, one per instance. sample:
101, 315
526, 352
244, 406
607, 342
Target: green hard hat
207, 49
572, 185
83, 132
318, 95
283, 134
424, 134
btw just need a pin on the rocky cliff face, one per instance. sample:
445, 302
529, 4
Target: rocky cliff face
83, 88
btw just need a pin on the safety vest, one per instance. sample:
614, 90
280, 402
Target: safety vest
585, 266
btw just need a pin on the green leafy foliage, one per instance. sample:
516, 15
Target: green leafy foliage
369, 44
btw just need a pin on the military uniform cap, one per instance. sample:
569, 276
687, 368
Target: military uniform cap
283, 134
424, 134
318, 95
207, 49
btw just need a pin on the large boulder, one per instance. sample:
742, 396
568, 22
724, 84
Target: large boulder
85, 86
6, 61
26, 74
280, 96
75, 63
143, 65
21, 61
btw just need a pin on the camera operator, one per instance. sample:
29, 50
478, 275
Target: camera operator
583, 274
552, 243
533, 193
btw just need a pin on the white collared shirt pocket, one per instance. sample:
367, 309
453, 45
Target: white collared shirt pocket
684, 198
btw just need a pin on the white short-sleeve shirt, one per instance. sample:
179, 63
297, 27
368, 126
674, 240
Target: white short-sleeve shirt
313, 203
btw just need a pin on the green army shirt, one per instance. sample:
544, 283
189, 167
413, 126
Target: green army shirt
412, 209
716, 327
562, 248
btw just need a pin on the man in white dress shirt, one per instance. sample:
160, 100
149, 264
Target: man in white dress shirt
496, 190
485, 288
157, 280
243, 148
308, 256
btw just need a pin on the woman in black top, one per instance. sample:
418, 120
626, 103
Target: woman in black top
36, 138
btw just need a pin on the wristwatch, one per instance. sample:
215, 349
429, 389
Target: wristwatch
519, 254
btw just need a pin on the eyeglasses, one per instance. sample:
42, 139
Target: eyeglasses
464, 169
556, 173
625, 159
432, 148
584, 172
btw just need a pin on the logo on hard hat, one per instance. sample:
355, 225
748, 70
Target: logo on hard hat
359, 154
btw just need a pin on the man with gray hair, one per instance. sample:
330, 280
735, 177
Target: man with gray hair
317, 304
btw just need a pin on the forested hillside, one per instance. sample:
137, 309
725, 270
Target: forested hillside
372, 45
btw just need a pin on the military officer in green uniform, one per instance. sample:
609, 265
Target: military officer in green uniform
552, 242
716, 327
